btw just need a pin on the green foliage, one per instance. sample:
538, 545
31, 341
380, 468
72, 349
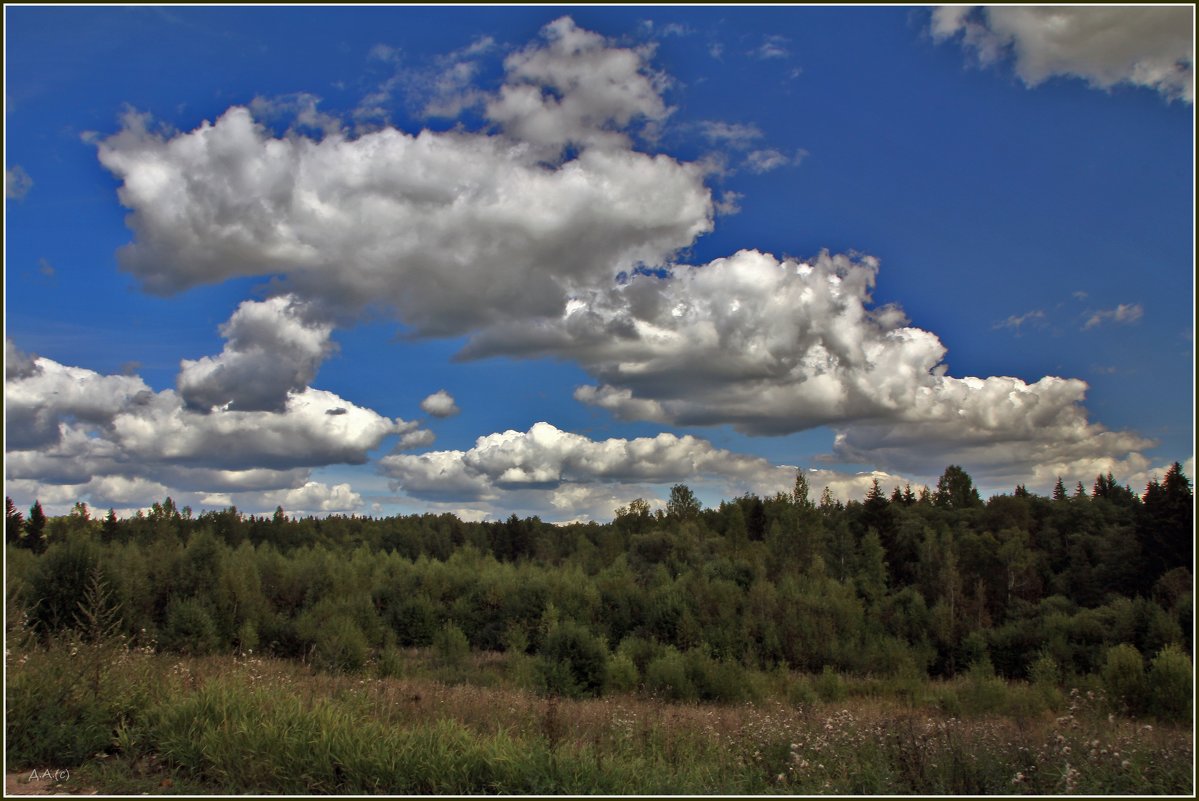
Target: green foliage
340, 646
829, 685
1124, 678
1170, 682
621, 675
572, 661
61, 580
189, 628
666, 677
451, 646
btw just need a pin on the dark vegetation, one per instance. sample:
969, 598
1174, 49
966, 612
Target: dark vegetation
760, 600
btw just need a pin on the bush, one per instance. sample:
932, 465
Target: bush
715, 680
983, 692
667, 676
59, 583
189, 628
829, 685
1124, 678
1045, 675
573, 662
340, 646
247, 636
391, 663
450, 646
1170, 684
621, 675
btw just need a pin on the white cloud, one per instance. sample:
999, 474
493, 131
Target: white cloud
412, 436
1123, 313
773, 346
736, 135
449, 230
1015, 321
762, 161
595, 91
440, 404
1003, 431
563, 476
545, 457
772, 47
17, 363
301, 108
314, 498
271, 350
113, 440
1143, 45
17, 182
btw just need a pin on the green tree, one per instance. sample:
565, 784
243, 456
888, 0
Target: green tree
35, 528
683, 505
14, 523
955, 490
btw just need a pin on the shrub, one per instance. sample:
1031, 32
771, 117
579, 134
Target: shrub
829, 685
1124, 678
621, 675
983, 692
1170, 684
247, 636
340, 646
391, 663
667, 676
573, 661
189, 628
59, 583
715, 680
1045, 676
450, 646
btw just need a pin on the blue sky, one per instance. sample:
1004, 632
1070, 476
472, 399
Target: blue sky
547, 260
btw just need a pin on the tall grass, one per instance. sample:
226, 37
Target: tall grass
251, 725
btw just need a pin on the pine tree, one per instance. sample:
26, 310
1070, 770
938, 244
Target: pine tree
14, 522
35, 527
1059, 490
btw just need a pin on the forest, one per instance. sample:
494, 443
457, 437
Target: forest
931, 597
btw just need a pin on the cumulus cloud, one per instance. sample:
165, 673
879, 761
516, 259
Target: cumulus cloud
17, 182
770, 346
577, 89
271, 350
1141, 45
774, 346
17, 363
440, 404
1124, 313
114, 440
562, 473
1003, 430
449, 230
565, 476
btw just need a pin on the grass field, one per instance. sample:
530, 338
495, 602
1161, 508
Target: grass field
129, 721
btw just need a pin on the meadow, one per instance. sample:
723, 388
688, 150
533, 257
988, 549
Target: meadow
128, 720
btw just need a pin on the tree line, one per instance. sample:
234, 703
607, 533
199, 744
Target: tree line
926, 583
